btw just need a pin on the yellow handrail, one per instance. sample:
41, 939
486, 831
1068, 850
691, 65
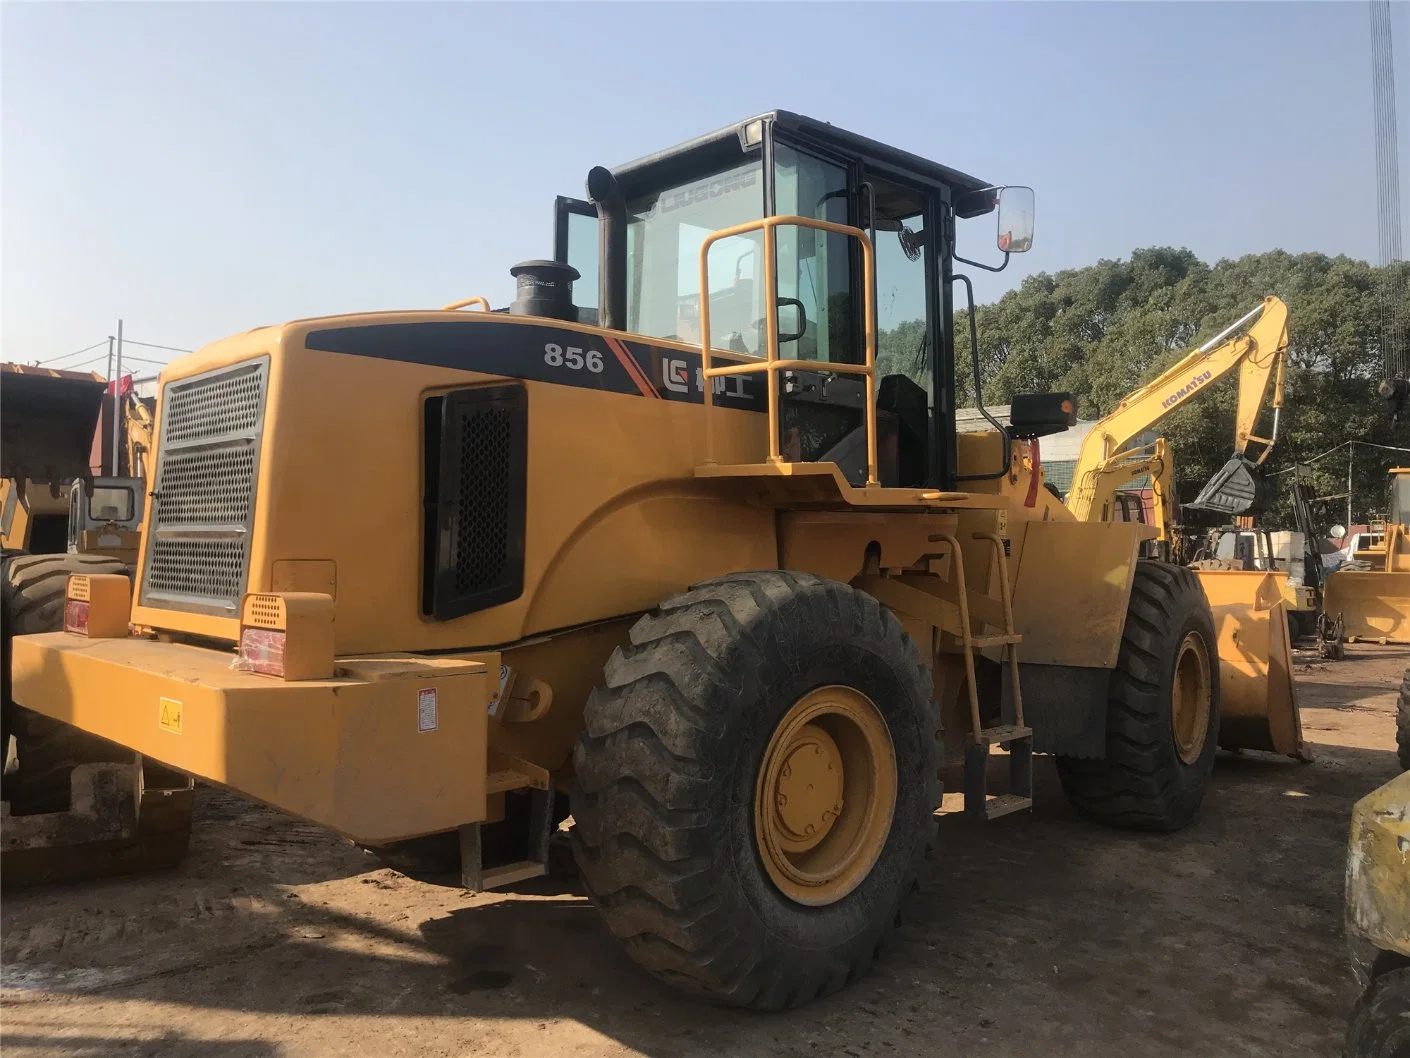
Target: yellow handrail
772, 365
477, 300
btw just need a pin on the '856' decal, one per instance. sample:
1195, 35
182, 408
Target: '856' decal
574, 357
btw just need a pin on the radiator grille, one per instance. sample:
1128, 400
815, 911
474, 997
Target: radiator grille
198, 543
477, 481
481, 532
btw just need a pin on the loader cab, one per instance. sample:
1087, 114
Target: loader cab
104, 517
636, 246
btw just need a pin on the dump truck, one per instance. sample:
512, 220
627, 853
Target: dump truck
73, 805
673, 561
1371, 595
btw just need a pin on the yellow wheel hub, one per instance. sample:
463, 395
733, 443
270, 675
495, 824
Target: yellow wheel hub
1190, 698
825, 795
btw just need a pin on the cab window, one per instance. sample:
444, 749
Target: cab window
110, 504
814, 267
664, 233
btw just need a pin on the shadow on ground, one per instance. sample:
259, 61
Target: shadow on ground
1041, 934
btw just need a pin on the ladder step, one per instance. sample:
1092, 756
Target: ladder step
996, 640
1002, 735
1006, 804
495, 877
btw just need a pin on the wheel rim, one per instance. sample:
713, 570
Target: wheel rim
825, 795
1189, 698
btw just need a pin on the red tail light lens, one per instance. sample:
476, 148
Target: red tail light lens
262, 650
76, 617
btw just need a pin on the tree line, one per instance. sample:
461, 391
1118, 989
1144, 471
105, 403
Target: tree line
1103, 330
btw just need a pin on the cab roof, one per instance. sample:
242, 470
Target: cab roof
727, 146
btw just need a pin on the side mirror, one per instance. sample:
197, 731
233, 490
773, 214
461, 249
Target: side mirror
1015, 219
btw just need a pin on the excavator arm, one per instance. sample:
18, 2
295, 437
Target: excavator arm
138, 421
1126, 466
1255, 346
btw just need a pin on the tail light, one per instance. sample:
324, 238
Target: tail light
287, 634
97, 605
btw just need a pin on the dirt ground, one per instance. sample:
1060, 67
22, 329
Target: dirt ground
1042, 935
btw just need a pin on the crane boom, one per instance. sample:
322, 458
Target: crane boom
1256, 345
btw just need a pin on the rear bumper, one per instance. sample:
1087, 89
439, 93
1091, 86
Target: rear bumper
392, 748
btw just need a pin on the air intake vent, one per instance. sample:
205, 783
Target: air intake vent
198, 542
476, 468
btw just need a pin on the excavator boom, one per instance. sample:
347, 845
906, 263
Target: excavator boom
1255, 345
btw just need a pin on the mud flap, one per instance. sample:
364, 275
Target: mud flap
1258, 699
1373, 604
1236, 488
114, 825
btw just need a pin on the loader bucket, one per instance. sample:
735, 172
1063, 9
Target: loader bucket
1374, 604
1257, 699
47, 422
1235, 488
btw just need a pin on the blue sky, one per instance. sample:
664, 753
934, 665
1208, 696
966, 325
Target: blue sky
199, 169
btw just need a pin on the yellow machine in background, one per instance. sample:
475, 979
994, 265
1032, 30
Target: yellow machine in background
74, 806
1256, 345
1250, 608
1373, 599
691, 564
1377, 919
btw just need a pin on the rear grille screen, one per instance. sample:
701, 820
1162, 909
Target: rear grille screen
476, 468
198, 543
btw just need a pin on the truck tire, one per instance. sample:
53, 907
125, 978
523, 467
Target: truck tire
1161, 732
1379, 1026
1402, 723
730, 699
46, 751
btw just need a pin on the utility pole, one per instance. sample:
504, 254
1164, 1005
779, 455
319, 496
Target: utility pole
1392, 335
1350, 451
117, 395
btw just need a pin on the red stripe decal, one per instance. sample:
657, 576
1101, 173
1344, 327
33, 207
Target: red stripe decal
633, 369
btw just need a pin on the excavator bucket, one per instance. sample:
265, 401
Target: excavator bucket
1258, 701
1236, 488
1374, 604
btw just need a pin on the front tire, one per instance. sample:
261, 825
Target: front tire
1162, 710
756, 787
46, 750
1379, 1026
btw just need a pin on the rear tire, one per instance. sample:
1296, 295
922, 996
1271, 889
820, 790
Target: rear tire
1147, 780
679, 742
1402, 723
46, 750
1379, 1026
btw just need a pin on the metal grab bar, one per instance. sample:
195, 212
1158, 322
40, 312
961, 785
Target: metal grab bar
772, 365
477, 300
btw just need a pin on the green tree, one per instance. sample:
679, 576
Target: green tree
1103, 330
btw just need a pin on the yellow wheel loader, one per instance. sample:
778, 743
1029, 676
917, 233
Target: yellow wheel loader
74, 805
1371, 593
679, 555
